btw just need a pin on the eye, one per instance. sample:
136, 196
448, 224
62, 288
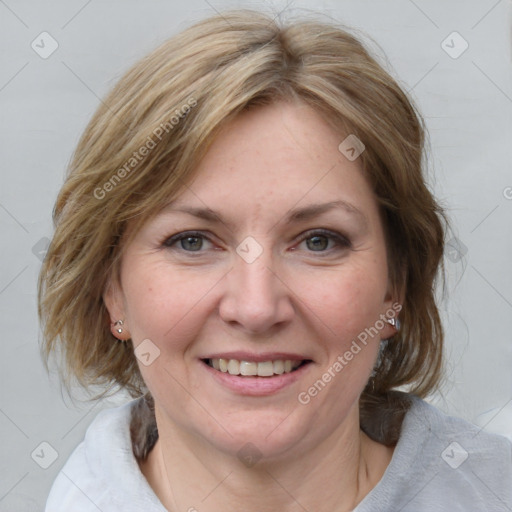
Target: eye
322, 240
188, 241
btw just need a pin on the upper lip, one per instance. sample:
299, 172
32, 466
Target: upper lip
257, 358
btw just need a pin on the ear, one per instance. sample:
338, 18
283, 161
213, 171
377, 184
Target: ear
114, 301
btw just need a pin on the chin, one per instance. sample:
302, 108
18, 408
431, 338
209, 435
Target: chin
264, 435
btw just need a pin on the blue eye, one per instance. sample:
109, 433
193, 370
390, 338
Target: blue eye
190, 241
322, 240
318, 241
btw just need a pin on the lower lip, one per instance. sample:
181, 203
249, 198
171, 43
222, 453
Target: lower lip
256, 386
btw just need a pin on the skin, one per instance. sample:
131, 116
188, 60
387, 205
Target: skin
303, 294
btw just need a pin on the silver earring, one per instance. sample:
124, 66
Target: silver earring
119, 329
395, 322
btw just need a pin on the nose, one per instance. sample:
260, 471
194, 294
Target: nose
256, 298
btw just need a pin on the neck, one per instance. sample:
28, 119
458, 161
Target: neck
187, 473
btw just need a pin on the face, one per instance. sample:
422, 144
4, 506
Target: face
257, 282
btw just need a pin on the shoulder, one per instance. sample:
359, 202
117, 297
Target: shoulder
443, 463
460, 440
102, 472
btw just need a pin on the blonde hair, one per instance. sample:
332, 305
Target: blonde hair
172, 103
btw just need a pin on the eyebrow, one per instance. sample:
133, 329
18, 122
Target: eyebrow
293, 215
314, 210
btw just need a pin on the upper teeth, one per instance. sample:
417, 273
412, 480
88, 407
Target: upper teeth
263, 369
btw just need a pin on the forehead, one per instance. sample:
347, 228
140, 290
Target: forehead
280, 155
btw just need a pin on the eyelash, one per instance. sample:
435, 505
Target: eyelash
341, 242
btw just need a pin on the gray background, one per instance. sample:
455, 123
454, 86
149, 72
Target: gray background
46, 103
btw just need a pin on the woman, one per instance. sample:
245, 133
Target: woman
246, 214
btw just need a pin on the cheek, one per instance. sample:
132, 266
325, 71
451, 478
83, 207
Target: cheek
165, 307
159, 300
346, 300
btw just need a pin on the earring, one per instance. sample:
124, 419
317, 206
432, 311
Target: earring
117, 330
395, 322
119, 323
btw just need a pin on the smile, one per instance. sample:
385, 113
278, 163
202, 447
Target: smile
253, 368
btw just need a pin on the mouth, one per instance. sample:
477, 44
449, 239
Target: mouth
242, 368
256, 375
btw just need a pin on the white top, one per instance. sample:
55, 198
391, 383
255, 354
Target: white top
440, 463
